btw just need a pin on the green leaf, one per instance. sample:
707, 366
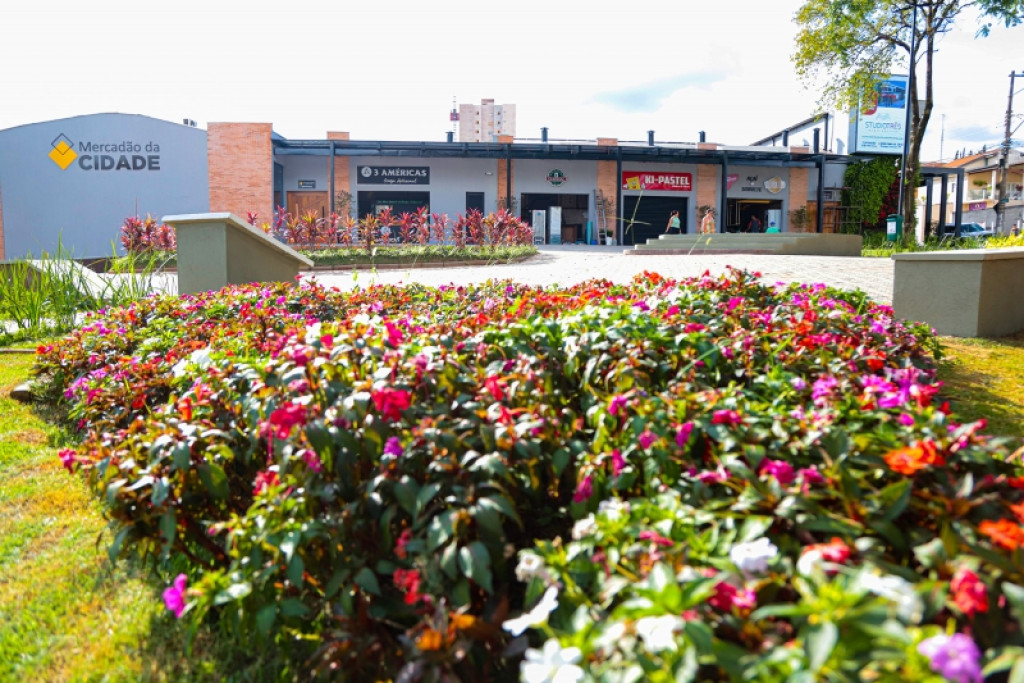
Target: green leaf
475, 562
293, 607
406, 491
449, 561
288, 545
1015, 595
181, 454
424, 497
168, 529
367, 580
214, 479
819, 640
115, 547
893, 499
753, 528
160, 491
234, 592
295, 570
265, 619
439, 530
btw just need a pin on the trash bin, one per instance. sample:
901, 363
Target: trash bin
894, 227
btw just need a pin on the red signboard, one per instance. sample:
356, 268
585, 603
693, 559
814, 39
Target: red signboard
657, 180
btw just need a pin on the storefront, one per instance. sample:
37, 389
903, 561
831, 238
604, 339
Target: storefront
582, 192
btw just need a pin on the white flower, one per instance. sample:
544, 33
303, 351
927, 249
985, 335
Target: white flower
313, 332
658, 633
584, 527
530, 565
612, 509
610, 637
810, 562
200, 358
553, 664
898, 590
753, 557
535, 617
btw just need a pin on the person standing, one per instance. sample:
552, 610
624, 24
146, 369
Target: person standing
673, 223
707, 224
754, 225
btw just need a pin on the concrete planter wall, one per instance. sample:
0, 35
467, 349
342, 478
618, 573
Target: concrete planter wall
966, 293
219, 249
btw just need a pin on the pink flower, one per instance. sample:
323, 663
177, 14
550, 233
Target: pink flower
584, 490
395, 336
646, 439
734, 302
68, 458
618, 403
727, 597
811, 475
781, 470
725, 417
906, 419
655, 537
264, 480
311, 459
969, 593
174, 596
618, 462
683, 435
713, 477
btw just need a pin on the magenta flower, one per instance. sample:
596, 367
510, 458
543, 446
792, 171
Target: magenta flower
584, 490
391, 402
725, 417
683, 435
68, 458
906, 419
954, 657
811, 475
618, 403
393, 447
713, 476
174, 595
311, 459
618, 462
655, 538
646, 439
285, 418
781, 470
734, 302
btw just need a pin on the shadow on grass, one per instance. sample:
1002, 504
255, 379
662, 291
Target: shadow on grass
984, 378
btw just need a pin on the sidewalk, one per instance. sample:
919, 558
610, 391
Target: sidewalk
570, 264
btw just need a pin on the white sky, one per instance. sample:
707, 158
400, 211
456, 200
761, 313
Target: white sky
389, 69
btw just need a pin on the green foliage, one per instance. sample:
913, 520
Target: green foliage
866, 185
361, 478
415, 254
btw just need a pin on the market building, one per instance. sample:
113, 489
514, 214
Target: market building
74, 181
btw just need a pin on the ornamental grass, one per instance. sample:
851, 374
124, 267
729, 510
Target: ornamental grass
705, 479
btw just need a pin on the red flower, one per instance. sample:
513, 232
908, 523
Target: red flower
403, 540
656, 538
970, 594
391, 402
584, 490
834, 551
285, 418
408, 581
264, 479
727, 597
725, 417
496, 387
68, 458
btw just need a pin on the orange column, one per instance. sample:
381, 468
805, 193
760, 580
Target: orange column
798, 183
608, 185
342, 179
707, 185
240, 161
503, 180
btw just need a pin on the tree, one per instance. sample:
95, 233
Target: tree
852, 45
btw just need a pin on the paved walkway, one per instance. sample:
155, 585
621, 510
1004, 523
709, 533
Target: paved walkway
569, 264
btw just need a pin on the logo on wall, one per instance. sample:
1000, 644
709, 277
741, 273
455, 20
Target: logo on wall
63, 153
556, 177
775, 185
393, 175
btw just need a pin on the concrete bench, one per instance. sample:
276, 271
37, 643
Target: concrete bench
219, 249
965, 293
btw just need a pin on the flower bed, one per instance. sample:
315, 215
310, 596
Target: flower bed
713, 479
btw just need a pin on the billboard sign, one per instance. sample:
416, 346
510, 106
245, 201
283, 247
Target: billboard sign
879, 124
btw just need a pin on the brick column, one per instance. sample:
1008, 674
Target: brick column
502, 183
798, 183
240, 158
608, 184
342, 178
707, 187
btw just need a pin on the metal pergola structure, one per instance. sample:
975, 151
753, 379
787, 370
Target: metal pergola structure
769, 156
927, 173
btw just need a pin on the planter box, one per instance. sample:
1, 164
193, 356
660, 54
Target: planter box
219, 249
966, 293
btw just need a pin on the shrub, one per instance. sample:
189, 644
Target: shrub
147, 236
712, 479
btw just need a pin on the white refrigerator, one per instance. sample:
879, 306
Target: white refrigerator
539, 222
555, 224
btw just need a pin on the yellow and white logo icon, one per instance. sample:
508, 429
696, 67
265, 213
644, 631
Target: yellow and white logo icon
63, 152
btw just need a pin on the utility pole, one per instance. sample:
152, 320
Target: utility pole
1004, 161
911, 102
